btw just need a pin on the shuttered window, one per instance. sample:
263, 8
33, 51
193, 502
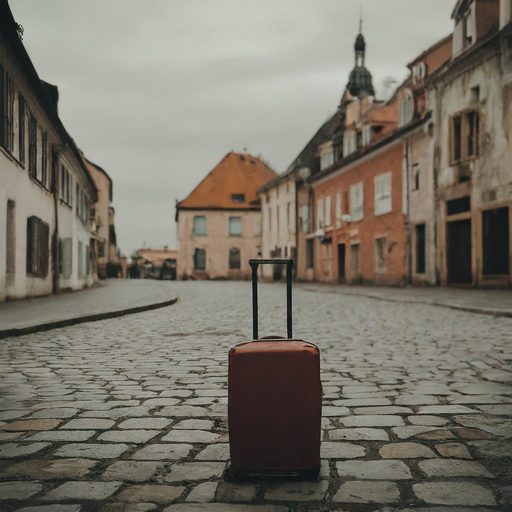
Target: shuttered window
38, 247
339, 211
383, 193
320, 214
32, 146
356, 202
328, 215
21, 128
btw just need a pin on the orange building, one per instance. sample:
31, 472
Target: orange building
219, 223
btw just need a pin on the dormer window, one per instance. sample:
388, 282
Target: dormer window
467, 32
367, 135
406, 107
238, 198
326, 160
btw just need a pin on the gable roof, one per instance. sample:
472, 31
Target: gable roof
236, 173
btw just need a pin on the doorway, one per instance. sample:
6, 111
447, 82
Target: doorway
495, 242
341, 263
459, 252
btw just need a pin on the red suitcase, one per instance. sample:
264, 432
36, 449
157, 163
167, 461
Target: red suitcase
274, 399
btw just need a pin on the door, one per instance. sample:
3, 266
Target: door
341, 263
459, 252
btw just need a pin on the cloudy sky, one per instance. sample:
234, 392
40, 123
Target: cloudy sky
158, 91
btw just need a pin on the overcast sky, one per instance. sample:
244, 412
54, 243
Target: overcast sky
158, 91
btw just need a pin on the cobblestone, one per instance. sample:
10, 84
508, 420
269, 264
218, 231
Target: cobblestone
138, 406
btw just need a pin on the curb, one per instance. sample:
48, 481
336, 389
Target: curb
468, 309
8, 333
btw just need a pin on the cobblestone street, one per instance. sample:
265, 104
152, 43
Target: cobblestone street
130, 414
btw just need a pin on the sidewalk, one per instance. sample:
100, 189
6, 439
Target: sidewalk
110, 298
489, 302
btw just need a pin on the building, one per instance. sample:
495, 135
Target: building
219, 223
45, 187
103, 239
158, 263
471, 96
285, 209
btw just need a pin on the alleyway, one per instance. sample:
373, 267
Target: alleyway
129, 414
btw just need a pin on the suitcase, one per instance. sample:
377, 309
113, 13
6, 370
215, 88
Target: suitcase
274, 400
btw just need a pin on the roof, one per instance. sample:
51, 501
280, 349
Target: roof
47, 94
434, 47
306, 157
236, 173
157, 255
93, 168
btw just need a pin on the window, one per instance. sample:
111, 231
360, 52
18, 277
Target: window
367, 135
495, 241
82, 205
200, 225
326, 160
21, 127
235, 226
381, 246
7, 110
415, 181
234, 258
349, 144
38, 247
456, 206
383, 193
257, 226
339, 211
66, 184
44, 159
355, 260
420, 249
467, 33
320, 214
465, 136
356, 202
406, 107
199, 259
101, 249
304, 219
32, 146
328, 220
310, 253
238, 198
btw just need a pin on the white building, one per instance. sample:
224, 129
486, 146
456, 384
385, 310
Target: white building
45, 189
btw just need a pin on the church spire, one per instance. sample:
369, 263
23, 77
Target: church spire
360, 82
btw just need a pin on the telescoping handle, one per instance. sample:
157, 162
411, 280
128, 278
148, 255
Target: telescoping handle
289, 267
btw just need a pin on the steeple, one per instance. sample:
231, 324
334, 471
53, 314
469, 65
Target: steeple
360, 82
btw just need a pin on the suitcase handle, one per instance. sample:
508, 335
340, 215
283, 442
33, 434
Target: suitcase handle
289, 267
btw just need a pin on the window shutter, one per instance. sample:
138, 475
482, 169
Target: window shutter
44, 248
387, 193
328, 209
30, 243
320, 214
3, 102
338, 210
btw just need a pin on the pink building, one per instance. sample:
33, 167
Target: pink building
219, 223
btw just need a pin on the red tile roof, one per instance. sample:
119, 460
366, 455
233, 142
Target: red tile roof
236, 173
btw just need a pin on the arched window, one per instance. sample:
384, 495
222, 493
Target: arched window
406, 107
234, 258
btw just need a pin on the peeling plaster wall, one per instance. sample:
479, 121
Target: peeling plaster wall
490, 184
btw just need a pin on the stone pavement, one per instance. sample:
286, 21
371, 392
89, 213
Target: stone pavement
129, 414
111, 295
492, 302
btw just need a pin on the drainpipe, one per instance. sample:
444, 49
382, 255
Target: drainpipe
409, 233
56, 255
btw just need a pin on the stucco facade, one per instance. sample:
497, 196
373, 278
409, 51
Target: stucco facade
472, 97
279, 220
217, 244
219, 223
